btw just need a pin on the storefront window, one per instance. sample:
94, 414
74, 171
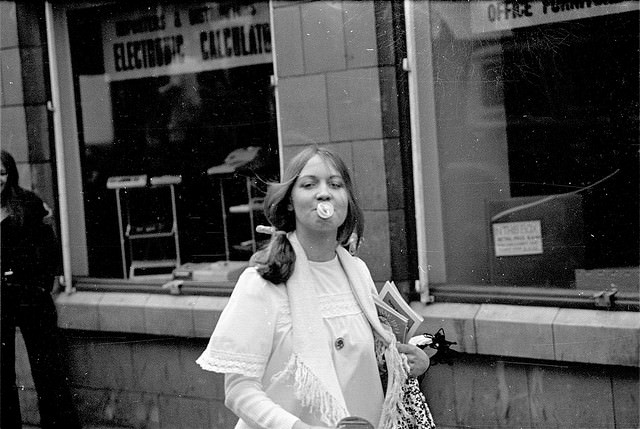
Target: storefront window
537, 141
166, 91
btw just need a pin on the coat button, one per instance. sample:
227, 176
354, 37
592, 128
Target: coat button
339, 343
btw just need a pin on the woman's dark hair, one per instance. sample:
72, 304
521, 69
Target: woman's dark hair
9, 197
276, 261
12, 170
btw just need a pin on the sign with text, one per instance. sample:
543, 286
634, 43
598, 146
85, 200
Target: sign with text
496, 15
185, 38
517, 238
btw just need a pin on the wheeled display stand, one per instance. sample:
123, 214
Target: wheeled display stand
131, 231
237, 160
252, 205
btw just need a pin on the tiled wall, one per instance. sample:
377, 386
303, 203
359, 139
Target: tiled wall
490, 392
24, 118
131, 361
141, 381
336, 87
557, 367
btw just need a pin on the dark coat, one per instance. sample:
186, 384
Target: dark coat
30, 255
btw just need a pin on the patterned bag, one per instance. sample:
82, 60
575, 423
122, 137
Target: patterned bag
416, 413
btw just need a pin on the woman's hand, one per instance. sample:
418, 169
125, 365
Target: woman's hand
418, 360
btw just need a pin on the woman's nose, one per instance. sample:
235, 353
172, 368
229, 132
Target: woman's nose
323, 192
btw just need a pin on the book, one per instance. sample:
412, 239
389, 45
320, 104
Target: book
398, 322
391, 296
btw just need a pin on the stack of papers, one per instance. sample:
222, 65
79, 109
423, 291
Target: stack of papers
394, 310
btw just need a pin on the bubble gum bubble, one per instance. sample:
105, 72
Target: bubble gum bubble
325, 210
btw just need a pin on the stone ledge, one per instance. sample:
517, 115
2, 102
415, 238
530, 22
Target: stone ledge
180, 316
519, 331
549, 333
597, 336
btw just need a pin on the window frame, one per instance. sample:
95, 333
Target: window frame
67, 132
432, 280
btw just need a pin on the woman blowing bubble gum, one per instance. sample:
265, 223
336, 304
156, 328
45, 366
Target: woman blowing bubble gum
300, 342
325, 210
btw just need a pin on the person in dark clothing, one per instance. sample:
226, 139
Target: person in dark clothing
28, 263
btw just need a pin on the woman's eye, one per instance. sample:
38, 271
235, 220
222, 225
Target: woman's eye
336, 185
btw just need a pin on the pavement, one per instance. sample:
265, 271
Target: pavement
127, 427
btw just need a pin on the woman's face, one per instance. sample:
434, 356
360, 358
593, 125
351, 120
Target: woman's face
319, 182
3, 177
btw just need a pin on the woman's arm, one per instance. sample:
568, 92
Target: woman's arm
245, 396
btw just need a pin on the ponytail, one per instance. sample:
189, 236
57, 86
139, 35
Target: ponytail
276, 261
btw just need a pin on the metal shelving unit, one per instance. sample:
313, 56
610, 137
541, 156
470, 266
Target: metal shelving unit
132, 232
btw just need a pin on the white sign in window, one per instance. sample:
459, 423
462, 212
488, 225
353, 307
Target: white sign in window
499, 15
517, 238
185, 38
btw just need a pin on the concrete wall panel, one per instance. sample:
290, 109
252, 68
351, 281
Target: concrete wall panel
288, 41
354, 104
323, 36
303, 110
360, 34
11, 77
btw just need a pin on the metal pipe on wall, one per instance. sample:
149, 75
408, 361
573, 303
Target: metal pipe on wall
54, 106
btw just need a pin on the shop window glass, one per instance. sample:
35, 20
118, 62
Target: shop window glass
537, 133
172, 89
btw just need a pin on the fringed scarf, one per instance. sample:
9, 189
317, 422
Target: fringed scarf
315, 382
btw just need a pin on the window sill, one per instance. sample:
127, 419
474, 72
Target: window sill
548, 333
536, 296
144, 313
153, 286
534, 332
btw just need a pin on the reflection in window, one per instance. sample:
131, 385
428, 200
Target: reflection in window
172, 89
538, 143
